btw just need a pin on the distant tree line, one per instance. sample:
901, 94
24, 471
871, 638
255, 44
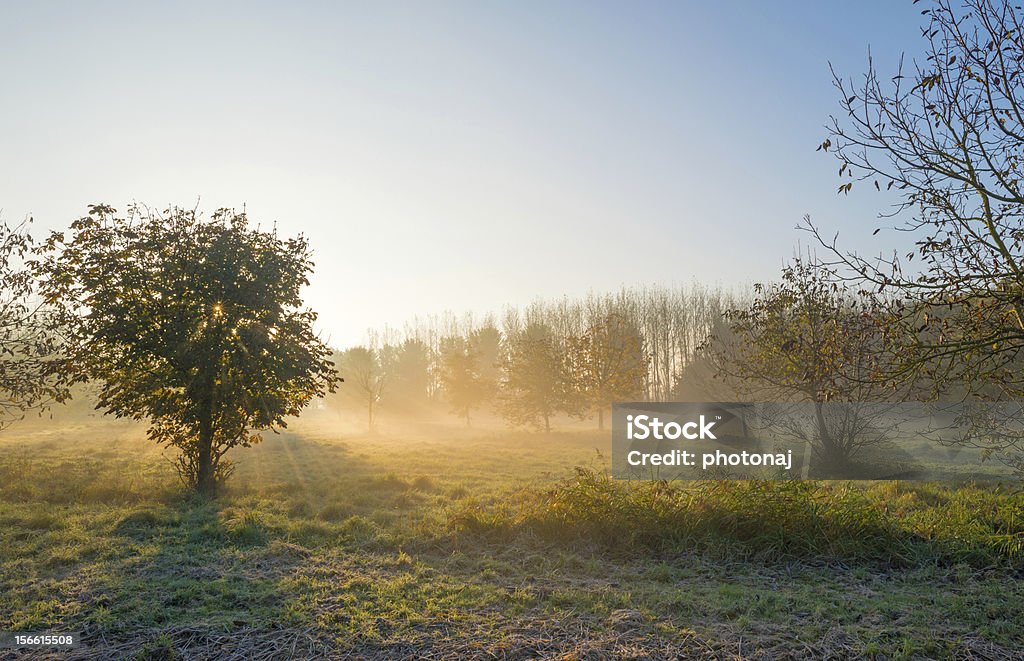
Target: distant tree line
531, 364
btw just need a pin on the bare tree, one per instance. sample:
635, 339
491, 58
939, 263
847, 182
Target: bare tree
946, 136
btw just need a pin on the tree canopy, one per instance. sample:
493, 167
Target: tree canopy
807, 340
538, 382
609, 363
194, 324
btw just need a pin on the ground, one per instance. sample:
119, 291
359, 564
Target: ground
449, 543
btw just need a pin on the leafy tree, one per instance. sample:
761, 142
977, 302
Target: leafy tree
194, 324
608, 364
807, 340
486, 341
410, 376
537, 383
701, 379
29, 337
462, 376
363, 369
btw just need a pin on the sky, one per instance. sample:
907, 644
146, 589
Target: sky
453, 155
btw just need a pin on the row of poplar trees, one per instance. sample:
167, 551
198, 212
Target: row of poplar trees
530, 365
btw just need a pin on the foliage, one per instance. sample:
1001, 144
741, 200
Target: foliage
805, 339
668, 323
608, 363
361, 368
538, 383
887, 523
796, 338
29, 338
487, 343
408, 364
193, 324
463, 375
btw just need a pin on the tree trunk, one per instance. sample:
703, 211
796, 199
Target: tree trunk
547, 423
600, 418
369, 417
205, 483
205, 479
829, 452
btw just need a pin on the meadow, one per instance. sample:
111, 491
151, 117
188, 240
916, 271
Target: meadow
444, 542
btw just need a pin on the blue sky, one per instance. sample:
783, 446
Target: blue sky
452, 155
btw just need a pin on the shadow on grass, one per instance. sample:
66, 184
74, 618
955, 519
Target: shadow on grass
230, 563
187, 563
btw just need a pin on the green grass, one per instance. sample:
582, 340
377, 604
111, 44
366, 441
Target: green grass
470, 543
884, 524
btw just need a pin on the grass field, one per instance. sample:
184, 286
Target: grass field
456, 543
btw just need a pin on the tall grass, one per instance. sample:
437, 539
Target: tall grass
887, 523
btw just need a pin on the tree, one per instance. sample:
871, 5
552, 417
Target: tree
409, 385
702, 379
362, 368
537, 382
947, 137
808, 340
29, 337
608, 364
486, 343
462, 376
673, 321
194, 324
